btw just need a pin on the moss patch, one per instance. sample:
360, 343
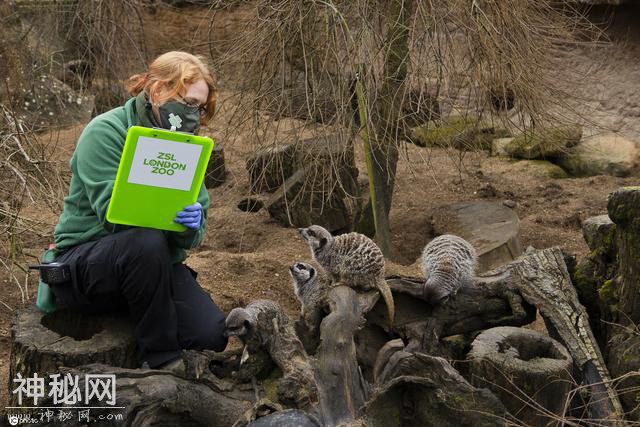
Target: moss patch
457, 132
544, 143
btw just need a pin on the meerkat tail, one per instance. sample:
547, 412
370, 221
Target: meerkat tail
383, 287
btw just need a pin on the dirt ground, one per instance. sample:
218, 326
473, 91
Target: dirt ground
245, 255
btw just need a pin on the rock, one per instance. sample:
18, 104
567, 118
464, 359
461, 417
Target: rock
510, 204
498, 146
544, 143
538, 168
607, 154
48, 102
419, 108
216, 173
530, 372
492, 229
487, 191
457, 132
287, 418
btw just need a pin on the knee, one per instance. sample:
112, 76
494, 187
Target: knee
146, 242
209, 339
206, 336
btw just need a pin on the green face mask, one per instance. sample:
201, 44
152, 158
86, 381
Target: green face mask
175, 115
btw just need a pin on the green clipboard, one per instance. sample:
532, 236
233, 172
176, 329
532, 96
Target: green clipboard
160, 173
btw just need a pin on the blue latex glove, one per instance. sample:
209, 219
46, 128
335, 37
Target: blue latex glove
190, 217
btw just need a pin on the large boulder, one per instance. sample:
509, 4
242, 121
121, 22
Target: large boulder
49, 102
544, 143
462, 133
606, 154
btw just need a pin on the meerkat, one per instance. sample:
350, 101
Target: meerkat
245, 323
264, 323
352, 259
448, 263
310, 285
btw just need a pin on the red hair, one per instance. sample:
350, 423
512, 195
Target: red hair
173, 71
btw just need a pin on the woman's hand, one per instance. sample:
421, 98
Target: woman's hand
190, 217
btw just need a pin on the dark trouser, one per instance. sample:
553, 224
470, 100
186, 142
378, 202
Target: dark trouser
132, 271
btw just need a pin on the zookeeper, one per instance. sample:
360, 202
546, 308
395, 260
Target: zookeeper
140, 270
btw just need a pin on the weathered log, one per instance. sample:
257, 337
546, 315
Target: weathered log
216, 172
41, 343
341, 388
530, 372
494, 300
492, 228
156, 397
545, 283
422, 390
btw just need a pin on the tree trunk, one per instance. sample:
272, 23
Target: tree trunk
384, 145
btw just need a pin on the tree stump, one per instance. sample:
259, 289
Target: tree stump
492, 229
594, 276
216, 172
44, 342
624, 357
271, 166
156, 397
323, 188
422, 390
530, 372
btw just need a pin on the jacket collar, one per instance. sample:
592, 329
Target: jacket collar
143, 113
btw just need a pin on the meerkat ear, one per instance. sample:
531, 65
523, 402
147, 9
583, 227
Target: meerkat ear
312, 272
323, 241
247, 324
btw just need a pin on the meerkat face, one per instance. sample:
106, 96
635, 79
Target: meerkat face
317, 237
301, 273
237, 323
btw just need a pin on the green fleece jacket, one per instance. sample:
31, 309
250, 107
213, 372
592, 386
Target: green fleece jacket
94, 165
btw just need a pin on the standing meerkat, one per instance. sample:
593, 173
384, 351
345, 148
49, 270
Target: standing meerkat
310, 284
352, 259
448, 263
